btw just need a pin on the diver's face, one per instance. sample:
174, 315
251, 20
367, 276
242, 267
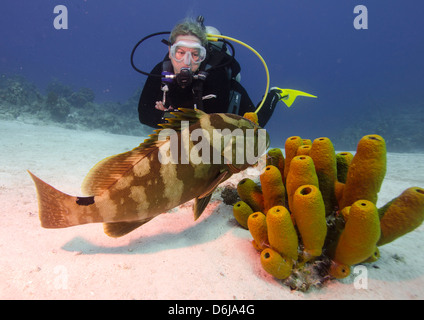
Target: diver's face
182, 51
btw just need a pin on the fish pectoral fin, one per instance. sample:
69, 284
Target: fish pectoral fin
202, 200
119, 229
220, 178
200, 205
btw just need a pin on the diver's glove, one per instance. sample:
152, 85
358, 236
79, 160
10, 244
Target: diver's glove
289, 95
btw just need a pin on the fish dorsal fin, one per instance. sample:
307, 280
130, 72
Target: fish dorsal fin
108, 171
174, 123
186, 114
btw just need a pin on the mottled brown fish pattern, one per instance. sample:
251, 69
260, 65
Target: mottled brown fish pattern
129, 189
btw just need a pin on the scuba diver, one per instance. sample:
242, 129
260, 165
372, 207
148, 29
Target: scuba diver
202, 74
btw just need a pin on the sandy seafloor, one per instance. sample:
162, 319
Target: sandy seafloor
172, 256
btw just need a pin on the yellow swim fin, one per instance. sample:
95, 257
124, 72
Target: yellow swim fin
289, 95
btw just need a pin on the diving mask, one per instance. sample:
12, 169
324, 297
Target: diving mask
188, 52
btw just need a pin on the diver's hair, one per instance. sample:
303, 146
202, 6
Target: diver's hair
190, 27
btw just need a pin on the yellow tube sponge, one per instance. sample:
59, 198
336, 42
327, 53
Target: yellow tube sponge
339, 270
251, 193
343, 162
282, 236
401, 215
366, 171
338, 190
359, 238
309, 213
273, 190
276, 265
275, 157
291, 146
345, 213
258, 229
304, 150
324, 157
252, 117
242, 211
302, 171
374, 257
307, 142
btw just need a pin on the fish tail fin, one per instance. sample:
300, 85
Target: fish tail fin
59, 210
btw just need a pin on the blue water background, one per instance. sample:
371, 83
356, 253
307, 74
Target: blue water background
308, 45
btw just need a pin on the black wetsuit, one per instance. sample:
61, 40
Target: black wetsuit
218, 86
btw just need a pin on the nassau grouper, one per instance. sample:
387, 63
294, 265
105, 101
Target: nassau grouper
166, 170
